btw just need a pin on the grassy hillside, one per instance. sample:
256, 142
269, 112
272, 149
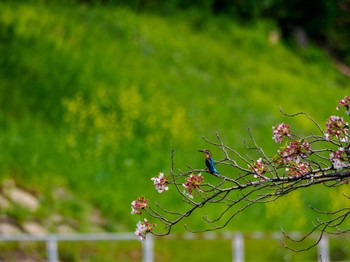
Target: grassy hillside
93, 99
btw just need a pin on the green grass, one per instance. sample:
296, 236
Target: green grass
93, 99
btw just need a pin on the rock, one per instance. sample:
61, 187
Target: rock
55, 219
34, 228
8, 229
22, 198
64, 229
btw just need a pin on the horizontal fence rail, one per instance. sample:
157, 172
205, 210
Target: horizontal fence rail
237, 239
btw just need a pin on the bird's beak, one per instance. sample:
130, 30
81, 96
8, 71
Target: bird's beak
201, 150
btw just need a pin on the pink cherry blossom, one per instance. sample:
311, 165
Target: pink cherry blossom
192, 182
339, 159
138, 204
160, 183
346, 103
294, 151
143, 228
298, 169
258, 167
337, 127
280, 131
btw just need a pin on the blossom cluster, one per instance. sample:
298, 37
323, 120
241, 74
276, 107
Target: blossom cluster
337, 127
160, 183
339, 159
346, 103
138, 204
258, 167
298, 169
280, 131
192, 182
294, 151
143, 228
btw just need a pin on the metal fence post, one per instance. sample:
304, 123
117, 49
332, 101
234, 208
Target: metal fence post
238, 247
147, 249
323, 249
51, 248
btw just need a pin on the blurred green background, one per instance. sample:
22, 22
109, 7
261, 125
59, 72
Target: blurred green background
94, 95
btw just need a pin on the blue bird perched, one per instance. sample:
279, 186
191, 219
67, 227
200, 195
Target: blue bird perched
209, 162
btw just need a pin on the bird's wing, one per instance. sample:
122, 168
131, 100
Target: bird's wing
210, 164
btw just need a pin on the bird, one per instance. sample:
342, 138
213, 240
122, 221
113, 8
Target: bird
209, 162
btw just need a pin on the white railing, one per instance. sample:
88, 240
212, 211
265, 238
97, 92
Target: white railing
148, 244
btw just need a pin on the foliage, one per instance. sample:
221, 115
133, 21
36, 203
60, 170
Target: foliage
324, 22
